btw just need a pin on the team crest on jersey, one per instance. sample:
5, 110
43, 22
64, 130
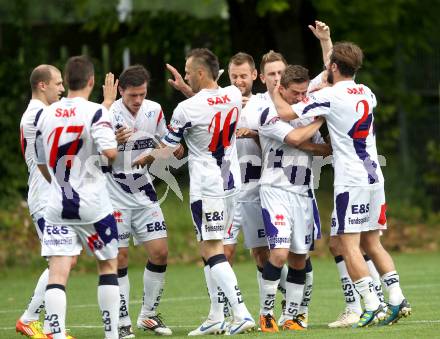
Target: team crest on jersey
273, 120
149, 114
279, 220
94, 242
118, 216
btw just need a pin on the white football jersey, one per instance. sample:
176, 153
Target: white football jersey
71, 133
131, 188
348, 109
38, 185
208, 121
249, 152
284, 166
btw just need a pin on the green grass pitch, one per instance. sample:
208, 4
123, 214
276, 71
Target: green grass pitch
185, 303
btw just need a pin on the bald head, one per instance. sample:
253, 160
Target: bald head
42, 73
46, 83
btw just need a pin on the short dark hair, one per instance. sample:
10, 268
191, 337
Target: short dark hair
294, 74
271, 56
134, 76
207, 59
348, 56
241, 58
78, 71
41, 73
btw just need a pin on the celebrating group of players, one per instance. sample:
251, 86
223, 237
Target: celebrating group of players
250, 160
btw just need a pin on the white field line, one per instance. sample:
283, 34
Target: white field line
203, 297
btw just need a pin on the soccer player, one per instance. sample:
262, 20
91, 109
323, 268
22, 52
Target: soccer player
359, 184
208, 121
288, 201
47, 86
139, 124
73, 135
247, 215
242, 73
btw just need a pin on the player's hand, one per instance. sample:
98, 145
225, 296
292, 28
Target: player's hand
246, 133
179, 152
178, 83
123, 134
321, 30
109, 90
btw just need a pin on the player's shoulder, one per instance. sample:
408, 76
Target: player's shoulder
32, 113
151, 106
230, 89
268, 115
265, 96
259, 100
116, 106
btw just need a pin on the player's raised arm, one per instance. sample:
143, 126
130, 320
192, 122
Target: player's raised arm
178, 82
109, 90
284, 110
301, 134
322, 32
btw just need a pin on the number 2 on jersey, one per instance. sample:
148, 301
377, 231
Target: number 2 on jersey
357, 132
225, 131
73, 148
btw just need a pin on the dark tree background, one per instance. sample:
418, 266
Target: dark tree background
399, 37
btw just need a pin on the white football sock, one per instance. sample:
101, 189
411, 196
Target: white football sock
153, 289
109, 304
260, 285
282, 282
376, 280
124, 293
225, 278
216, 297
36, 305
365, 288
294, 293
391, 282
55, 303
352, 298
267, 296
307, 294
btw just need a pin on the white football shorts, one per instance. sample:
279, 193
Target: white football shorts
358, 209
247, 217
288, 219
142, 224
100, 239
212, 217
39, 222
